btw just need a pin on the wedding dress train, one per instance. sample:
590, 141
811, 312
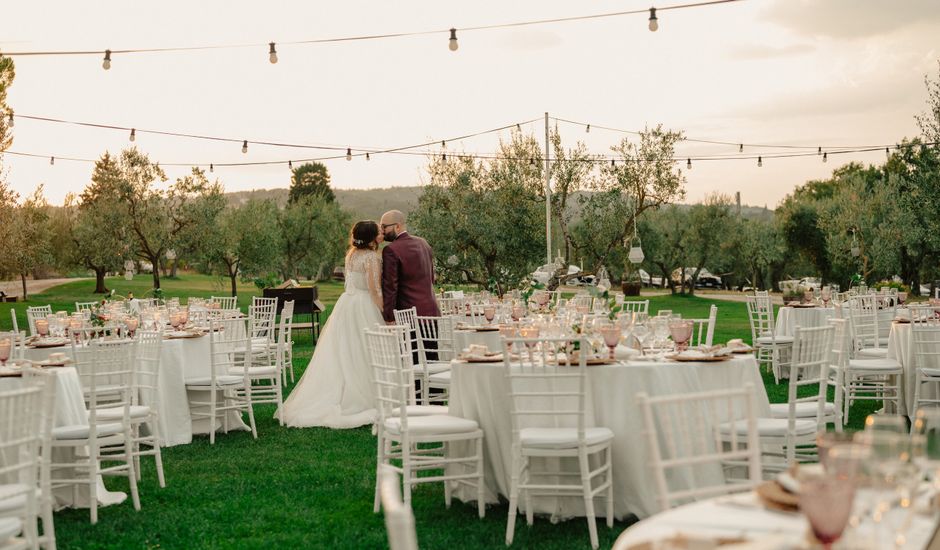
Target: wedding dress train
336, 389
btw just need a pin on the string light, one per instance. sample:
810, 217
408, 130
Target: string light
819, 151
532, 162
587, 129
452, 43
612, 163
245, 146
654, 21
688, 164
741, 148
106, 64
133, 136
348, 153
272, 54
444, 157
52, 161
887, 151
211, 168
290, 165
443, 145
10, 122
367, 156
518, 127
760, 162
825, 157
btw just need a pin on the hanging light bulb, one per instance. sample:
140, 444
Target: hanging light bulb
106, 64
654, 21
887, 150
819, 151
272, 54
211, 168
368, 157
245, 146
444, 157
688, 164
760, 162
741, 148
10, 121
518, 127
133, 135
290, 165
825, 157
52, 161
452, 43
613, 162
587, 129
443, 144
348, 153
532, 162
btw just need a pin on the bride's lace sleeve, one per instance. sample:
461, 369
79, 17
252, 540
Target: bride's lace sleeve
374, 278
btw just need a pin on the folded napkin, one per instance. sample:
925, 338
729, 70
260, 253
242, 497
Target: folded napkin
622, 353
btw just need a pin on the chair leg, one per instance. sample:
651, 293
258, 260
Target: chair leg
610, 489
212, 416
917, 385
447, 483
131, 469
526, 475
251, 414
481, 505
93, 483
158, 454
379, 462
513, 497
588, 499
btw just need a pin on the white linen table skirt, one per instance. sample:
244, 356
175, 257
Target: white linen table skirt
180, 358
900, 348
788, 318
479, 392
69, 411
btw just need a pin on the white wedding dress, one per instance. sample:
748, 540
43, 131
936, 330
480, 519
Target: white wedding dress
336, 389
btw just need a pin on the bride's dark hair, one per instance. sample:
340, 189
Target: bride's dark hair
363, 234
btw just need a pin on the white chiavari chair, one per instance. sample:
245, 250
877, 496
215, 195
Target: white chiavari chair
772, 348
404, 342
452, 306
861, 379
794, 438
82, 307
265, 377
547, 410
225, 302
262, 315
925, 339
683, 437
46, 500
228, 349
581, 301
285, 339
703, 330
636, 306
144, 403
106, 369
437, 336
831, 374
399, 519
862, 313
36, 312
423, 367
401, 435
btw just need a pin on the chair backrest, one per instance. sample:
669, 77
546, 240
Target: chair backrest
841, 348
107, 376
925, 337
80, 337
392, 378
439, 333
862, 313
15, 326
262, 301
399, 519
760, 314
581, 300
228, 347
36, 312
636, 306
85, 306
409, 318
703, 331
811, 356
225, 302
148, 366
452, 306
546, 383
682, 436
286, 325
21, 438
261, 319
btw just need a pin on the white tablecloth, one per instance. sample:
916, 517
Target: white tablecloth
180, 359
900, 348
69, 411
490, 339
740, 516
479, 392
788, 318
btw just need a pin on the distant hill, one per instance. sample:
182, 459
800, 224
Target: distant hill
363, 204
370, 204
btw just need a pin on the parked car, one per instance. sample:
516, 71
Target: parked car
705, 278
650, 280
544, 273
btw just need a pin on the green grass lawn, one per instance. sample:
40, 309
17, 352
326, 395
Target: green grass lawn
307, 488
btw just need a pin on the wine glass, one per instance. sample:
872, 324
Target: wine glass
42, 327
517, 312
681, 332
892, 423
611, 334
489, 313
6, 345
641, 332
827, 504
530, 333
826, 295
131, 323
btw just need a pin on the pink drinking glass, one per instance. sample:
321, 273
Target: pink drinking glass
5, 346
611, 336
42, 327
681, 332
518, 312
489, 313
131, 323
827, 504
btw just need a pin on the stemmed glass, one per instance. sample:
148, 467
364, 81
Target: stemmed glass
5, 346
517, 312
925, 441
827, 504
681, 332
826, 295
42, 327
131, 323
641, 332
611, 334
489, 313
529, 333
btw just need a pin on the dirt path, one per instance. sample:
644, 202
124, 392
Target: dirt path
15, 288
727, 296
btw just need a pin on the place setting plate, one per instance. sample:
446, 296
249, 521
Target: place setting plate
42, 343
182, 334
698, 358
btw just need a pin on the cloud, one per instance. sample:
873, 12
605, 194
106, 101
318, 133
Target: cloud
763, 51
851, 19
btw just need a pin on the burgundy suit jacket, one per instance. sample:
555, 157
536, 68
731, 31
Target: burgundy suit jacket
408, 277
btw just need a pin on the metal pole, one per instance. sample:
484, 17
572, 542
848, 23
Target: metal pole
548, 199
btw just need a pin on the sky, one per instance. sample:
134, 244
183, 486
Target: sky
828, 73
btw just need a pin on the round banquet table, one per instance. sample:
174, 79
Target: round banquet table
463, 338
180, 358
740, 516
788, 318
479, 392
69, 411
900, 348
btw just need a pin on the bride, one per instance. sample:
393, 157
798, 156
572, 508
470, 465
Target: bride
336, 389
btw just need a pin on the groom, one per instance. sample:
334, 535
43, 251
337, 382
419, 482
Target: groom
407, 270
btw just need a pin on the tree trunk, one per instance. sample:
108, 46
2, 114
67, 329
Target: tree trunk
23, 280
234, 285
173, 269
99, 281
156, 272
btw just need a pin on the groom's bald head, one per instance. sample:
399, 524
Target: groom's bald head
392, 223
393, 216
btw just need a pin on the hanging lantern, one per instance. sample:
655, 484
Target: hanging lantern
636, 251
